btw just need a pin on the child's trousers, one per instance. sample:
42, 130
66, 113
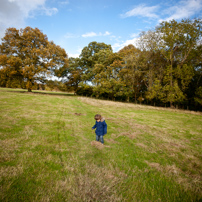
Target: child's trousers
100, 138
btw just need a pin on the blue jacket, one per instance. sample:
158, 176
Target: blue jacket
101, 127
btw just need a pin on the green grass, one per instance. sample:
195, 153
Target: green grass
48, 152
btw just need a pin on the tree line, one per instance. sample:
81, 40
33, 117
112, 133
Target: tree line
163, 69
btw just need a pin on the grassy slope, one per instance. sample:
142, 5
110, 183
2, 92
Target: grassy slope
48, 151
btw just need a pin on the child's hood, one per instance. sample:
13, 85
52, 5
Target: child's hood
102, 119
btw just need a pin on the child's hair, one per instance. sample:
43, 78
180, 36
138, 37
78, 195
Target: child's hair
97, 117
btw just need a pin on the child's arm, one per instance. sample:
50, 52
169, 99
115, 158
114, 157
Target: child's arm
95, 126
105, 128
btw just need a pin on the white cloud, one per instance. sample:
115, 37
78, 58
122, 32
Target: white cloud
180, 10
64, 2
118, 46
89, 34
92, 34
134, 35
143, 11
14, 12
10, 15
27, 7
49, 11
73, 55
133, 41
70, 35
184, 9
106, 33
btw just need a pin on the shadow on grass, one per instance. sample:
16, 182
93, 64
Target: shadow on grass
52, 93
37, 92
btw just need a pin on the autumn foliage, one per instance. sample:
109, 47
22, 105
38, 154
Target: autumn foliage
164, 69
26, 57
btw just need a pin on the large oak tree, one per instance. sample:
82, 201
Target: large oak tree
27, 55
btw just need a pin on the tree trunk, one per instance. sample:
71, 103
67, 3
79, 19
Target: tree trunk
171, 105
171, 80
29, 85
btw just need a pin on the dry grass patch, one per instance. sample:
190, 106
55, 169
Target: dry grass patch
97, 102
154, 165
186, 179
131, 135
168, 169
27, 131
139, 126
98, 145
7, 156
6, 118
95, 184
11, 171
141, 145
6, 175
173, 169
111, 141
171, 146
9, 144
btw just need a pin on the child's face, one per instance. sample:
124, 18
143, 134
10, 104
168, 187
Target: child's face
98, 120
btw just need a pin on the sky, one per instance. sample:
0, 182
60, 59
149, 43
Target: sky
73, 24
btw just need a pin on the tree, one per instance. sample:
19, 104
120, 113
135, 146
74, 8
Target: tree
106, 70
89, 58
178, 39
198, 95
153, 64
10, 72
193, 90
29, 55
71, 75
132, 72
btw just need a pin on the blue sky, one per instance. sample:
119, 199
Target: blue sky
73, 24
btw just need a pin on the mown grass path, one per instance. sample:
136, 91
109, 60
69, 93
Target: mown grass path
48, 152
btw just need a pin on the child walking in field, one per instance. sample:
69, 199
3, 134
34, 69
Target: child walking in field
101, 128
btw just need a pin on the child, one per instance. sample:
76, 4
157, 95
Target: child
101, 128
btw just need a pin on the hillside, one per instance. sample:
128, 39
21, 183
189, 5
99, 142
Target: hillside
49, 153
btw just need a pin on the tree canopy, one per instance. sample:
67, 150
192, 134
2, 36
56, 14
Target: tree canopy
26, 56
165, 68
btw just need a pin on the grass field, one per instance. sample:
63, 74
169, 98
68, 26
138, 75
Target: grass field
48, 152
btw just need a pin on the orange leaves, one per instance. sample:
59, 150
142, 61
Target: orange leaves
3, 60
28, 53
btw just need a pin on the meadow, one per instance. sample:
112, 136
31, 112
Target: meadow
49, 153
